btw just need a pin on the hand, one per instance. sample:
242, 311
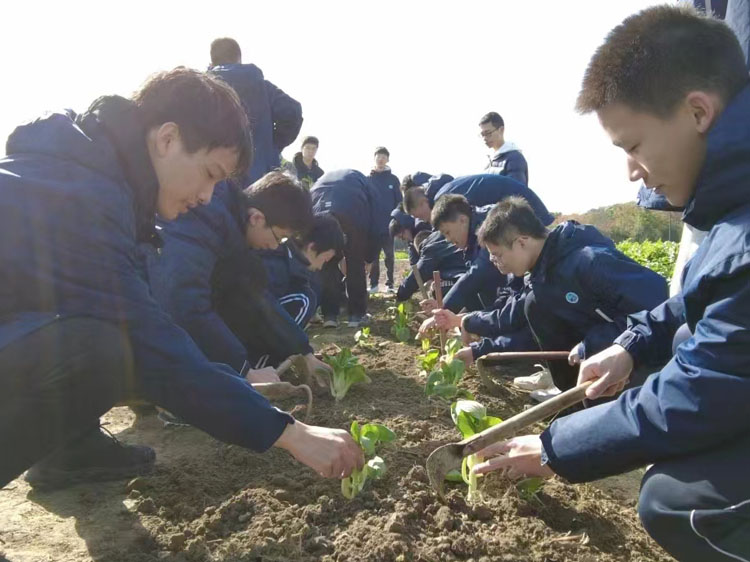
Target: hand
332, 453
610, 368
318, 370
466, 354
574, 357
266, 374
428, 305
520, 457
427, 327
446, 319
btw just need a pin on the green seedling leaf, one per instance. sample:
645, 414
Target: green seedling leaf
454, 476
426, 344
375, 467
429, 359
528, 488
346, 372
367, 436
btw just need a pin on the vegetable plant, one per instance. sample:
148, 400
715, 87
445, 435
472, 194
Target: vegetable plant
471, 418
362, 337
528, 488
429, 358
400, 327
367, 436
444, 377
346, 372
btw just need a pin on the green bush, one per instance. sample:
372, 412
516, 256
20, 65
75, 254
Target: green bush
659, 256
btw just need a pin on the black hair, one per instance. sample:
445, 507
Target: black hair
382, 150
395, 228
283, 201
325, 234
420, 238
225, 50
493, 118
511, 217
311, 140
448, 208
412, 197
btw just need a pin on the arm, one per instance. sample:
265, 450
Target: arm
481, 275
286, 114
698, 400
516, 168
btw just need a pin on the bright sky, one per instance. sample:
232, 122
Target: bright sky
413, 75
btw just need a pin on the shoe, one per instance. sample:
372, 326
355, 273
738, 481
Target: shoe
316, 318
544, 394
390, 290
374, 289
330, 323
359, 321
538, 381
95, 458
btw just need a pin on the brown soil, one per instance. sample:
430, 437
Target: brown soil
211, 501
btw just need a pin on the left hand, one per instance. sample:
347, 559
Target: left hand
466, 355
446, 319
266, 374
428, 305
318, 370
574, 358
426, 328
520, 457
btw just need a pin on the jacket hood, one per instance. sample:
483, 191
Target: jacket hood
108, 138
724, 182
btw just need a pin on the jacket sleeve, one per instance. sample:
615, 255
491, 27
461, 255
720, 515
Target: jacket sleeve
481, 275
516, 168
622, 287
286, 114
428, 262
698, 401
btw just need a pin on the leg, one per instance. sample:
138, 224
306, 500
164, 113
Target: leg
389, 260
356, 283
331, 290
697, 507
375, 271
54, 385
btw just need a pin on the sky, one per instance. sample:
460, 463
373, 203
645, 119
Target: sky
414, 76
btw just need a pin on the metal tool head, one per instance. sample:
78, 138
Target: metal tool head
440, 462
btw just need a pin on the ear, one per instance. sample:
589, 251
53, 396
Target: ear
523, 241
165, 137
256, 218
704, 108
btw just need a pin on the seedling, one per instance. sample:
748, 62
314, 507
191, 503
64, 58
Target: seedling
444, 377
346, 372
363, 339
471, 418
429, 358
528, 489
400, 327
367, 436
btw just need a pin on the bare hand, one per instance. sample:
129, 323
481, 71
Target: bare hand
266, 374
610, 368
318, 370
466, 354
428, 305
427, 327
520, 457
574, 357
332, 453
446, 319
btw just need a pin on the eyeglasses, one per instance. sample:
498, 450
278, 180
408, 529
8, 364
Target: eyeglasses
487, 134
275, 237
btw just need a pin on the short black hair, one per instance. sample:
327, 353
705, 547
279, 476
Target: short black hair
325, 234
493, 118
395, 228
225, 50
382, 150
412, 197
407, 182
653, 59
511, 217
207, 111
311, 140
283, 201
419, 239
448, 208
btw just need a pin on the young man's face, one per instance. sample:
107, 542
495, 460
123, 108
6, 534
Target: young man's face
185, 180
260, 235
491, 135
309, 151
666, 154
318, 260
515, 258
422, 211
380, 161
456, 232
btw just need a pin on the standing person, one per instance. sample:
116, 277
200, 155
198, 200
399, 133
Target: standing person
506, 159
389, 197
350, 197
671, 89
275, 117
305, 164
79, 330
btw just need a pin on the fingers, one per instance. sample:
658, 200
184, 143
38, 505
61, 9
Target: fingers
493, 450
491, 465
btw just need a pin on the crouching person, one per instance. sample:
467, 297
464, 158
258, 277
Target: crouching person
79, 330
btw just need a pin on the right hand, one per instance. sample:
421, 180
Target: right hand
446, 319
266, 374
427, 327
332, 453
428, 305
610, 369
317, 371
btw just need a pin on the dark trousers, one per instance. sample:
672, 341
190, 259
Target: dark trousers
55, 383
697, 507
355, 281
386, 244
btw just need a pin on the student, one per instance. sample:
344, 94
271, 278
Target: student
79, 330
350, 197
389, 197
506, 159
275, 118
431, 184
579, 291
435, 254
305, 164
207, 268
405, 228
671, 89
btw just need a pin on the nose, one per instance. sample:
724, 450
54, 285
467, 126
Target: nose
636, 172
204, 196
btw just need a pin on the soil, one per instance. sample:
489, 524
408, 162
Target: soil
208, 501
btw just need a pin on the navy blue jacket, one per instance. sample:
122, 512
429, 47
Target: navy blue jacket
433, 186
73, 191
583, 280
388, 190
421, 178
437, 255
511, 164
414, 226
275, 117
478, 287
503, 327
183, 283
287, 270
348, 193
699, 400
649, 199
488, 189
307, 176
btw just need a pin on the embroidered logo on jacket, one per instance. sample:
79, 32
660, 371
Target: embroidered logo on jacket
571, 297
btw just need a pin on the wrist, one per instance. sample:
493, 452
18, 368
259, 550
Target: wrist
291, 435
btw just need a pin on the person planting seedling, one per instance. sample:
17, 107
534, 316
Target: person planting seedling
367, 436
346, 372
